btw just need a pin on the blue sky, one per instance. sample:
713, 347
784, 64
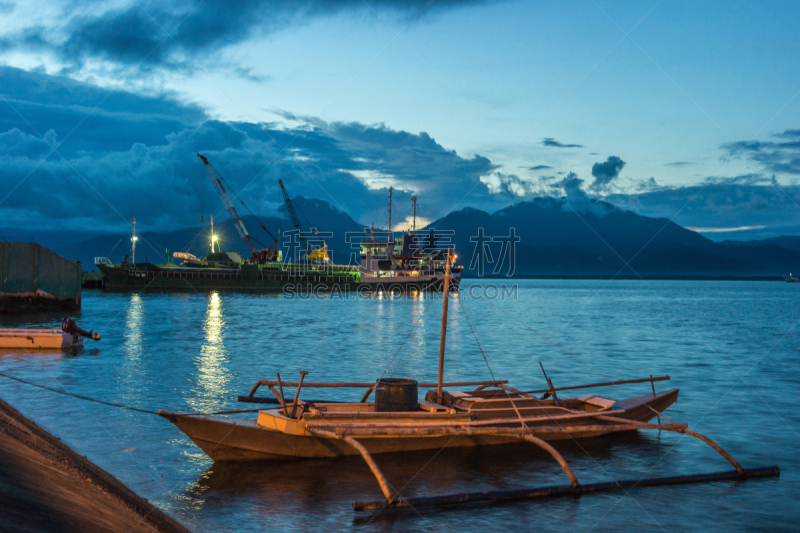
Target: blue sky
674, 109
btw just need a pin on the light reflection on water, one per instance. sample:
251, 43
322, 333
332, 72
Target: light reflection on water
133, 327
213, 374
729, 346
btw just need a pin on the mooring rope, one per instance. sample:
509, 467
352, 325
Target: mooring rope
478, 340
410, 335
119, 405
74, 395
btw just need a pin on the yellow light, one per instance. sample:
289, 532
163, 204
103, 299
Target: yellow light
134, 239
214, 238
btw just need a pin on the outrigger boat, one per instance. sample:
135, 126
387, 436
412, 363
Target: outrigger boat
489, 413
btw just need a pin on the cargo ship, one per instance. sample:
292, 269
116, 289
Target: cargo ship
289, 278
381, 270
396, 266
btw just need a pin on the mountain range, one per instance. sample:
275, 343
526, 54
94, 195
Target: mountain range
554, 240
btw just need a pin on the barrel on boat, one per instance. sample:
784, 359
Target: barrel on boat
396, 395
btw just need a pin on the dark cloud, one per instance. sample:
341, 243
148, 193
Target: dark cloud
552, 143
88, 118
540, 167
572, 183
150, 33
742, 201
679, 164
17, 144
605, 173
648, 184
134, 156
779, 157
143, 164
513, 187
789, 134
576, 199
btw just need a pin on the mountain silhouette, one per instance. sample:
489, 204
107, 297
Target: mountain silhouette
554, 240
604, 241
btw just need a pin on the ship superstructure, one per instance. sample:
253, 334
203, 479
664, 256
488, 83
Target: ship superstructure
413, 259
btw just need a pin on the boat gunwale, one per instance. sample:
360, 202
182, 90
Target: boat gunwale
444, 419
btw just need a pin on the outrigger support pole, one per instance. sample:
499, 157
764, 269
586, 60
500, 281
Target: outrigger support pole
365, 455
575, 489
390, 502
684, 430
557, 456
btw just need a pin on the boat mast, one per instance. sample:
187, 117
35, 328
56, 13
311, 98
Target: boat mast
444, 326
134, 238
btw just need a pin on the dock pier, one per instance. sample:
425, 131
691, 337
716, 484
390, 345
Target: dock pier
46, 486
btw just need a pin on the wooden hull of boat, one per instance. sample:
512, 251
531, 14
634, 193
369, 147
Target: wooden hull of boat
36, 338
239, 439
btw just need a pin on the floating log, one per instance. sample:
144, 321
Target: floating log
562, 490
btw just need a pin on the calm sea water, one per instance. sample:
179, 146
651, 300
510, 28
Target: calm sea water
733, 348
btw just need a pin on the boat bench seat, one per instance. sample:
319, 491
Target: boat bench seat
464, 396
435, 407
598, 401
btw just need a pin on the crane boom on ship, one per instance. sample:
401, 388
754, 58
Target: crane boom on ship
319, 253
266, 254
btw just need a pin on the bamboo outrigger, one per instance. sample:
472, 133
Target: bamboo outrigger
491, 413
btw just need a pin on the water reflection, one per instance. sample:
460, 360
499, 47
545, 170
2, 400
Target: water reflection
133, 366
177, 335
213, 373
133, 327
323, 489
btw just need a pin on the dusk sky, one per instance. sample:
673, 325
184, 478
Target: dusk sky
684, 110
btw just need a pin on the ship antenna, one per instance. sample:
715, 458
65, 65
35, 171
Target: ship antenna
213, 236
444, 326
134, 238
390, 214
414, 223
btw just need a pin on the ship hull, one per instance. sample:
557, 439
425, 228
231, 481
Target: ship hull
288, 281
146, 277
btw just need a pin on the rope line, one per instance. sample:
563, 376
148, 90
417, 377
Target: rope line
407, 339
65, 393
478, 340
119, 405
